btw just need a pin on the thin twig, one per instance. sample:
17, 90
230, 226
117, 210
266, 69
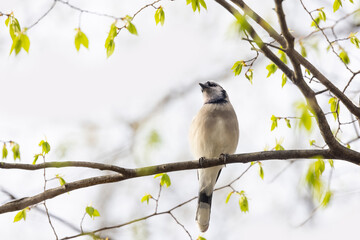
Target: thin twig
46, 209
44, 15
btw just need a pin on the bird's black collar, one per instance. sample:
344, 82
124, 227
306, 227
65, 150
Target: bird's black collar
217, 101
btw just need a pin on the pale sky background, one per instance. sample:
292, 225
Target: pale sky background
81, 101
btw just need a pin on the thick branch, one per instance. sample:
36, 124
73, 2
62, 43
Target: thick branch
303, 61
168, 167
259, 20
268, 53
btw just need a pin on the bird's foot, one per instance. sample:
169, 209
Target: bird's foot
224, 157
201, 161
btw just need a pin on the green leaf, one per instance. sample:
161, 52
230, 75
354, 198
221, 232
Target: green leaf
326, 199
20, 215
158, 175
237, 67
243, 203
146, 198
240, 25
284, 80
320, 165
271, 68
4, 152
165, 179
96, 213
195, 4
109, 43
334, 106
228, 197
14, 27
283, 57
278, 146
92, 212
274, 122
36, 157
200, 238
160, 16
61, 180
354, 40
45, 147
322, 14
154, 139
89, 210
261, 172
25, 42
203, 4
331, 162
110, 48
81, 39
303, 51
16, 45
344, 57
7, 21
131, 28
16, 151
315, 22
313, 177
113, 31
305, 116
249, 75
336, 5
288, 123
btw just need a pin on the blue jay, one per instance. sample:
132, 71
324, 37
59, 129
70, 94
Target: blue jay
214, 131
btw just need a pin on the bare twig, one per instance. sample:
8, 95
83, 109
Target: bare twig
44, 15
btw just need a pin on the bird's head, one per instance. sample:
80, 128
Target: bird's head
213, 93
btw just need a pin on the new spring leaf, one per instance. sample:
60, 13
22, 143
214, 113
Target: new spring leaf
146, 198
249, 75
195, 4
336, 5
4, 152
130, 26
237, 67
228, 197
274, 122
21, 215
45, 147
16, 151
271, 68
92, 212
81, 39
165, 179
344, 57
243, 203
354, 40
159, 16
109, 43
334, 106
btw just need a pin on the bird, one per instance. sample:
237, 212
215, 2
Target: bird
214, 132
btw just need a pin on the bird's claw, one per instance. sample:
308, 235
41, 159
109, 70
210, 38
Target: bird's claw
201, 161
224, 157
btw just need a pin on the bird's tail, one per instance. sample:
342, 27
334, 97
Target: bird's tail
203, 211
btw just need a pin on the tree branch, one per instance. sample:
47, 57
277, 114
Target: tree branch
303, 61
349, 156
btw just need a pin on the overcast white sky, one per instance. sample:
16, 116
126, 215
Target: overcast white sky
79, 102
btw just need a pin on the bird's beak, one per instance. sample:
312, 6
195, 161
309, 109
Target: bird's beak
203, 86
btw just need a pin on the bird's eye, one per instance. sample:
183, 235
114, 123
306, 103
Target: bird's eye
211, 84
